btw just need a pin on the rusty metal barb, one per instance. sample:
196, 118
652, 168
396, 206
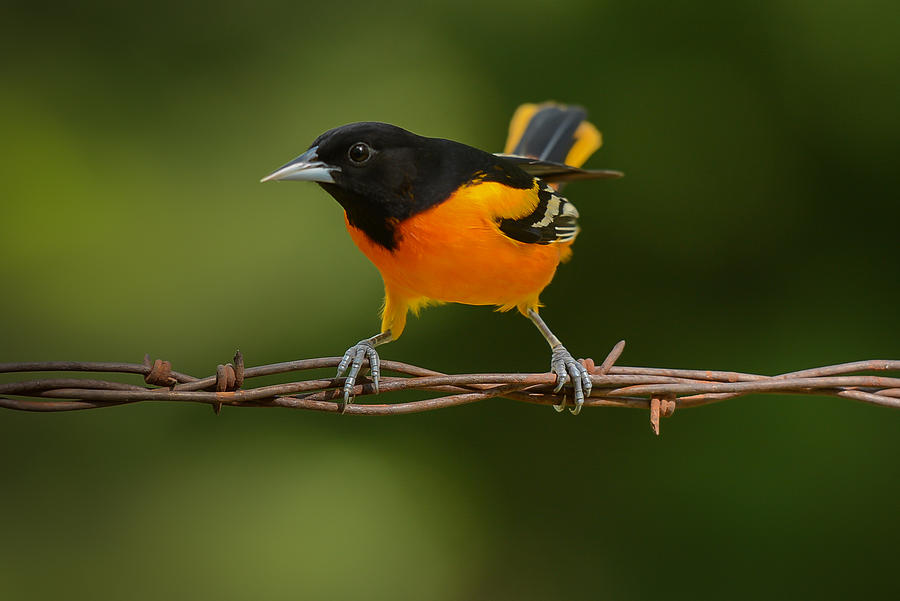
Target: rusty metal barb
655, 389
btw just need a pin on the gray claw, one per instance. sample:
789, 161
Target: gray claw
364, 349
567, 369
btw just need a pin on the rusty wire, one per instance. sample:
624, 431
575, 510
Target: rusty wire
659, 390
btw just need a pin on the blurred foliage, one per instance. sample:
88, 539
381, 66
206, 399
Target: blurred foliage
756, 230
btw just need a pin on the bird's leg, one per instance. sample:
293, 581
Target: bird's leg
564, 366
353, 358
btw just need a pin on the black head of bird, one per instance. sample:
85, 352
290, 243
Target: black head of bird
382, 174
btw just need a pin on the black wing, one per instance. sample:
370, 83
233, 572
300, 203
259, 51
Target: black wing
554, 219
557, 172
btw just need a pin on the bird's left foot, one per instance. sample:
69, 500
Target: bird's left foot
567, 369
353, 358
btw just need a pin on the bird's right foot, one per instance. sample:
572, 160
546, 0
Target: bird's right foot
568, 370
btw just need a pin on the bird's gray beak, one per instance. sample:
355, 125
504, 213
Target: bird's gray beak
305, 168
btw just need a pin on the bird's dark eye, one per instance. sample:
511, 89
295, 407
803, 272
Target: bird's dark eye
359, 153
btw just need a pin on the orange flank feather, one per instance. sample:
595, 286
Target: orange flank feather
455, 252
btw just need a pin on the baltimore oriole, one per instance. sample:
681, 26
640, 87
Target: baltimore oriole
445, 222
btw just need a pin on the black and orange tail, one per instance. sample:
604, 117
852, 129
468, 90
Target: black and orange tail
552, 132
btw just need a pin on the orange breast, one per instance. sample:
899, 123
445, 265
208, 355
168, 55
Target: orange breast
455, 252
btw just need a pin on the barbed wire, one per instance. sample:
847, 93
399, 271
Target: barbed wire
658, 390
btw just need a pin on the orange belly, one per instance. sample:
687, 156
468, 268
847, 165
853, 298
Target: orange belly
455, 252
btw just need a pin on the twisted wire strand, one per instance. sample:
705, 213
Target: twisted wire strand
660, 390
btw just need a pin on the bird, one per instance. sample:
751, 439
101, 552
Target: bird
445, 222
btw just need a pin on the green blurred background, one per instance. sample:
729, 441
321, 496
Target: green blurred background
756, 230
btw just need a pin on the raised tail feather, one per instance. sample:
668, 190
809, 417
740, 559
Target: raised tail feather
554, 133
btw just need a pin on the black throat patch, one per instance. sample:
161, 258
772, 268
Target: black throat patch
377, 221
